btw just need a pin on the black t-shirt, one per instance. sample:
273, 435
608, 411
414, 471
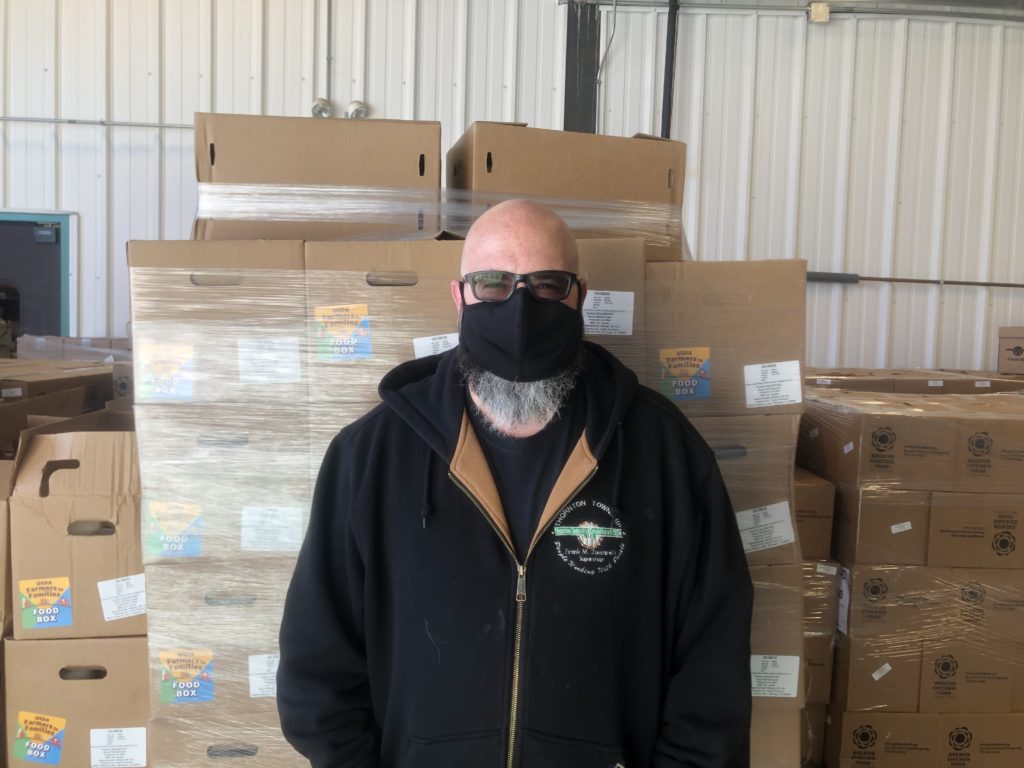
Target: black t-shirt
525, 469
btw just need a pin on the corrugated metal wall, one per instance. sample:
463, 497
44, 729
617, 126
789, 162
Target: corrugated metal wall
884, 146
159, 61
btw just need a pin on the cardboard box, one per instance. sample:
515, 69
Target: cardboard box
218, 322
959, 443
814, 500
97, 381
223, 482
966, 675
378, 179
821, 583
124, 381
755, 456
990, 602
884, 526
774, 738
76, 568
15, 417
896, 601
1011, 349
812, 747
40, 347
603, 186
890, 740
6, 614
818, 654
77, 703
976, 530
877, 673
727, 338
776, 640
254, 740
213, 636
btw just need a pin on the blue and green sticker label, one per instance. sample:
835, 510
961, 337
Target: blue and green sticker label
173, 529
343, 332
186, 675
45, 603
165, 372
39, 738
685, 373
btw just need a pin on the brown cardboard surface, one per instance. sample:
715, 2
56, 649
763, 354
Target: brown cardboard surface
727, 338
960, 443
910, 602
35, 685
991, 603
776, 640
818, 655
254, 740
640, 179
367, 302
389, 158
882, 526
814, 501
1011, 350
97, 381
967, 675
75, 526
812, 721
976, 530
882, 740
877, 674
755, 456
14, 417
821, 580
775, 738
218, 322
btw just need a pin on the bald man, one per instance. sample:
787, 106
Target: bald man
522, 557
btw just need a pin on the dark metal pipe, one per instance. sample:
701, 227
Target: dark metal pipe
670, 70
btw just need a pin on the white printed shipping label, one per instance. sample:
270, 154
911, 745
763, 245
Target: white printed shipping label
123, 598
776, 677
608, 313
117, 747
272, 529
843, 620
424, 346
901, 527
825, 568
11, 392
766, 527
269, 361
882, 671
773, 384
263, 675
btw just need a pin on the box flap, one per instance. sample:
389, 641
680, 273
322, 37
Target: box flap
215, 255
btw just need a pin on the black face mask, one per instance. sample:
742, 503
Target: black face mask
523, 338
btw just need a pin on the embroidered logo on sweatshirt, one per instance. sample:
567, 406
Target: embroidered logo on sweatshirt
589, 537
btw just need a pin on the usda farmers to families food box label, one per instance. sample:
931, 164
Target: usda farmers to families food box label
39, 738
186, 675
45, 603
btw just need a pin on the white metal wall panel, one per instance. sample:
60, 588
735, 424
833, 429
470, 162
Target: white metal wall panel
876, 145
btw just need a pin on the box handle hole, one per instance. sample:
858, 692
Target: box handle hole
490, 162
82, 673
50, 468
92, 528
391, 279
229, 751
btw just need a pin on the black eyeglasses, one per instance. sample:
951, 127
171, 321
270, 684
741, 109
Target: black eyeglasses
498, 285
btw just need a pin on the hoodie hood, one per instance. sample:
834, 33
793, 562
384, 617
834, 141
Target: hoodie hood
429, 395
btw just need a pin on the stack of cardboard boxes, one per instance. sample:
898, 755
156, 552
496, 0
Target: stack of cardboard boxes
725, 341
251, 354
815, 506
76, 683
928, 667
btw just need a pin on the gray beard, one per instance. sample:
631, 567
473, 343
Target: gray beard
512, 405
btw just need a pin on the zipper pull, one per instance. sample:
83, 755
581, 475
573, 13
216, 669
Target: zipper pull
521, 585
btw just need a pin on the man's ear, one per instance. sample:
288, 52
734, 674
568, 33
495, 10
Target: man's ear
583, 290
457, 295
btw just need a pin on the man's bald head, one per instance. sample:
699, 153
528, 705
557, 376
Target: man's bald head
519, 236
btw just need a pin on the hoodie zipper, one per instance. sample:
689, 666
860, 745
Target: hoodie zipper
520, 599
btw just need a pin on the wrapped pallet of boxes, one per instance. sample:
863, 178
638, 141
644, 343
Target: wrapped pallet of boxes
821, 594
300, 178
930, 660
75, 671
222, 406
602, 186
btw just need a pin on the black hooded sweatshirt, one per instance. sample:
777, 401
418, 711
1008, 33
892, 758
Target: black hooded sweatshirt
413, 636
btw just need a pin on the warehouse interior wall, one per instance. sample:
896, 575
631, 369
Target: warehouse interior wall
885, 146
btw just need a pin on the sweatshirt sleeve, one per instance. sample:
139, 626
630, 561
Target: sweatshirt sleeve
706, 711
323, 693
